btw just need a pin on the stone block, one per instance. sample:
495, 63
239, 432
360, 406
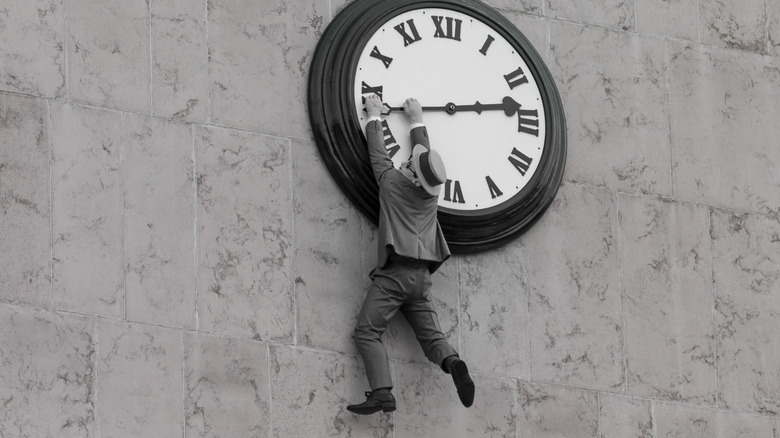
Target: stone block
690, 422
25, 229
87, 210
621, 417
547, 411
311, 391
574, 289
673, 18
245, 284
737, 25
47, 374
33, 55
259, 59
428, 405
526, 6
667, 300
108, 58
139, 380
746, 249
180, 60
159, 229
613, 88
227, 387
609, 13
329, 277
494, 304
724, 117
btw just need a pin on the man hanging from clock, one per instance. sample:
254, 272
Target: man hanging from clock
411, 248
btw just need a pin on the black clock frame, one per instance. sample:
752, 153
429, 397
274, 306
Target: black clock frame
342, 144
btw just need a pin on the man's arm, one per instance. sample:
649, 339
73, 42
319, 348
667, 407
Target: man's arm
418, 131
380, 160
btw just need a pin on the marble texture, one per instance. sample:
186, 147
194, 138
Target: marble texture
621, 417
25, 229
176, 260
47, 368
227, 387
330, 282
739, 25
108, 53
494, 306
159, 228
179, 59
548, 411
684, 421
674, 18
311, 391
670, 350
610, 13
746, 250
428, 405
244, 244
773, 27
139, 381
259, 57
87, 210
724, 127
33, 49
613, 88
574, 289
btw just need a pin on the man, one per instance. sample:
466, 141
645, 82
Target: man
411, 248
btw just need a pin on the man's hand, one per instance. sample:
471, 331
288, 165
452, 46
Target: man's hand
413, 110
374, 105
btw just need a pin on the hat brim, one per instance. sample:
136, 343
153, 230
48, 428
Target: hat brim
416, 152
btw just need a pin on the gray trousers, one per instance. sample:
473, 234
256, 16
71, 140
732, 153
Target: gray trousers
402, 284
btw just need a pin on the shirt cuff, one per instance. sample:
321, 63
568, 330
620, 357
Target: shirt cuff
417, 125
377, 118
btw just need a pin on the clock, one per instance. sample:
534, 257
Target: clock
490, 105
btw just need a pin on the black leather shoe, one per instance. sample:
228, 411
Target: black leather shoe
463, 382
375, 401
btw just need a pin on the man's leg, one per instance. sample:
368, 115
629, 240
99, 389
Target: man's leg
380, 305
422, 317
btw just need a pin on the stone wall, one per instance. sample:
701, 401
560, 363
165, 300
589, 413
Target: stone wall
176, 260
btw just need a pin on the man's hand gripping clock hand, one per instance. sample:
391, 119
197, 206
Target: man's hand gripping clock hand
374, 106
413, 110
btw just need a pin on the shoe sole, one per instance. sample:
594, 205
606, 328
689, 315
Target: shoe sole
373, 410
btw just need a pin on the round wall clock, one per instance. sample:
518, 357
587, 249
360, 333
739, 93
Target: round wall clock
490, 106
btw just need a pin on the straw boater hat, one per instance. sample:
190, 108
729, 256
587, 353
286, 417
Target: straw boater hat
429, 169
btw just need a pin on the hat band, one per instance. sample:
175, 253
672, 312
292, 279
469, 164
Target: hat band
427, 170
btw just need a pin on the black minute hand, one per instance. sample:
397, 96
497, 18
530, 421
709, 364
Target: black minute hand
508, 105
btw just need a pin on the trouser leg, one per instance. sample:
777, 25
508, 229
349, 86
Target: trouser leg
422, 317
380, 305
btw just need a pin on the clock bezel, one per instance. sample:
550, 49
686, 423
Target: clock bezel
342, 145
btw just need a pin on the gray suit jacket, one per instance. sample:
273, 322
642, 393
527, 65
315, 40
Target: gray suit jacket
407, 213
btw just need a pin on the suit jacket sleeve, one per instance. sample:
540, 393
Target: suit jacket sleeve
380, 160
420, 136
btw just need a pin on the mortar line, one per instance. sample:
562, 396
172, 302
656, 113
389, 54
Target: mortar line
714, 311
183, 389
151, 63
66, 59
208, 59
96, 332
195, 258
51, 206
292, 272
621, 285
270, 392
123, 184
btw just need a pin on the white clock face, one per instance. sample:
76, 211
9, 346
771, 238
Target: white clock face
493, 137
